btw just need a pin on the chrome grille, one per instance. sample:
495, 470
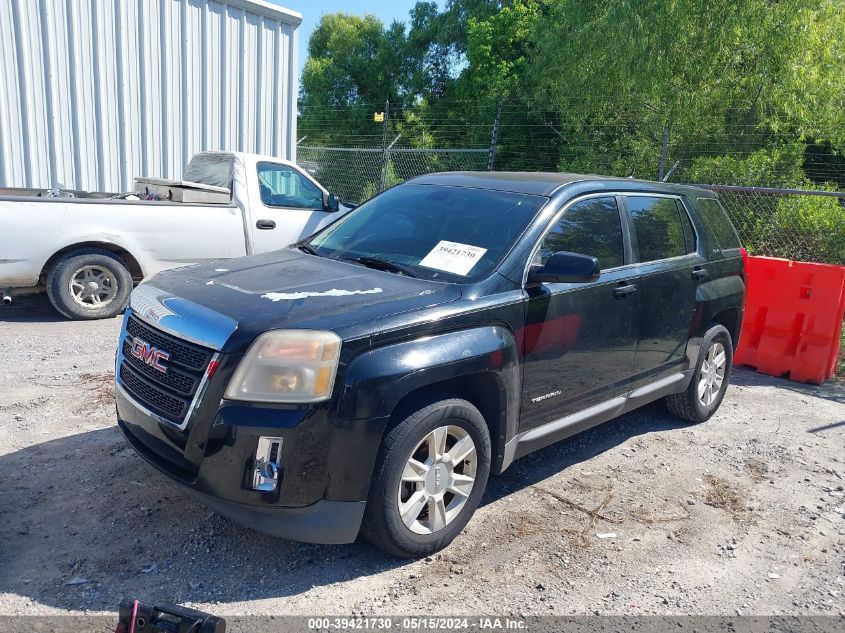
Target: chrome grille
151, 396
181, 382
181, 352
168, 394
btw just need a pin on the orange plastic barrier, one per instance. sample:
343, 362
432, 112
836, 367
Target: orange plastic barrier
793, 318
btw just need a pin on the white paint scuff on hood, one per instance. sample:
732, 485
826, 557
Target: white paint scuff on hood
334, 292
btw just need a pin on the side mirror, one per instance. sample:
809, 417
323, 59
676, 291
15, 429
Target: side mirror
330, 202
566, 267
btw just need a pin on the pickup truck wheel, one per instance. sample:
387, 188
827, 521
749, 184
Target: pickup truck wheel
710, 379
89, 284
431, 472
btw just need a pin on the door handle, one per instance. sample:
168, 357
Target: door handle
265, 224
624, 289
699, 273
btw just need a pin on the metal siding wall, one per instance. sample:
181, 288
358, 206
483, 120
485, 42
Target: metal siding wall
230, 50
96, 92
11, 110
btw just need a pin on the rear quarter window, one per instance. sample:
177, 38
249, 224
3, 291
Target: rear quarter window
717, 219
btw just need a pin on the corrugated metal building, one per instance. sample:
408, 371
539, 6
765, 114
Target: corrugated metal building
96, 92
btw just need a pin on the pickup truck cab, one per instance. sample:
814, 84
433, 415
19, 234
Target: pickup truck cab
372, 376
87, 249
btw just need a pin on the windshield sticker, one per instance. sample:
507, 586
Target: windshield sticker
453, 257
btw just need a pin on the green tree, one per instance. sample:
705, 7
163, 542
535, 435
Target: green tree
354, 65
647, 74
769, 167
611, 86
630, 87
803, 228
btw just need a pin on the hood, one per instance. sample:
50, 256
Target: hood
286, 289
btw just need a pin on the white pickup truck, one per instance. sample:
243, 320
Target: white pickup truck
88, 249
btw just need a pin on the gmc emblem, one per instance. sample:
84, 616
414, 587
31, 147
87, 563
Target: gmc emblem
152, 356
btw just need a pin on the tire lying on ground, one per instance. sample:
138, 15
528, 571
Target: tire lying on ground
89, 284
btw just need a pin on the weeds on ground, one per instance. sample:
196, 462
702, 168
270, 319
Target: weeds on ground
757, 469
721, 494
100, 389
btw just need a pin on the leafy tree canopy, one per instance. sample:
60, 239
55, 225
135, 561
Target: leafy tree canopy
614, 86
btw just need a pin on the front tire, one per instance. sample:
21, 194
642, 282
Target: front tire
89, 284
431, 472
709, 380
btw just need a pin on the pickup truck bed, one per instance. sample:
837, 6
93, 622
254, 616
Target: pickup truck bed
229, 205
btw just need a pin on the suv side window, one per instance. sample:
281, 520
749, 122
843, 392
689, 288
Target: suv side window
661, 227
715, 216
282, 186
590, 227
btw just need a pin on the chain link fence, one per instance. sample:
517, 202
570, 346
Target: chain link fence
794, 224
797, 224
356, 174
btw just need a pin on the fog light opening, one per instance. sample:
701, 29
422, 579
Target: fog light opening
268, 459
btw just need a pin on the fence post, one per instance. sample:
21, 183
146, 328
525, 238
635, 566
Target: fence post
491, 155
664, 153
383, 176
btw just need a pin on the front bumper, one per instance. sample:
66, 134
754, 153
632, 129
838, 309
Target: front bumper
325, 470
326, 462
321, 522
328, 522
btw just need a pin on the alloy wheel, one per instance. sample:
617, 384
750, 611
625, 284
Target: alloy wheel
712, 374
93, 287
437, 480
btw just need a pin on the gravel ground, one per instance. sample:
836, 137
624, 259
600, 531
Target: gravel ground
744, 514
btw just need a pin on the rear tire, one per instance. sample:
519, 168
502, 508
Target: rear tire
430, 475
89, 284
709, 380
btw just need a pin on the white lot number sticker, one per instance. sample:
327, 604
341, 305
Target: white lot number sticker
453, 257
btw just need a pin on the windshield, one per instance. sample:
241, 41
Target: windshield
448, 233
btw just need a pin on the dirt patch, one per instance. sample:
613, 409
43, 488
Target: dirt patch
98, 391
721, 493
757, 469
669, 515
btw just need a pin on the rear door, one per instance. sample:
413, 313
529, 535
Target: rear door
670, 266
287, 206
580, 339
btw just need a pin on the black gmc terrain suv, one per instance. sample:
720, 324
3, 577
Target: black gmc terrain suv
372, 376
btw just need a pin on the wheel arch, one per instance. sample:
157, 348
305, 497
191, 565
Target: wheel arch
122, 253
480, 365
731, 320
480, 389
720, 301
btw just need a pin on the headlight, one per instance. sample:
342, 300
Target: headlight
289, 366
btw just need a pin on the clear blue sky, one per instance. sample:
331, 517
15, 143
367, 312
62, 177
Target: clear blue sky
311, 10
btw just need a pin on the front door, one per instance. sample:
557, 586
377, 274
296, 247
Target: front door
290, 207
580, 340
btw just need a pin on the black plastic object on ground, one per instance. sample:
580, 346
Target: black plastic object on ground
137, 617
